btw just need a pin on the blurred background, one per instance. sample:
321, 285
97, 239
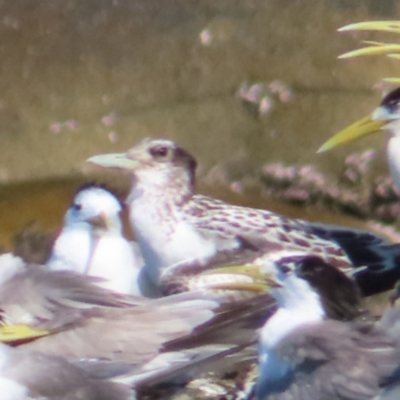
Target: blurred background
242, 84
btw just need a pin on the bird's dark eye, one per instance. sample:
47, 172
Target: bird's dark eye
77, 207
285, 269
392, 100
158, 151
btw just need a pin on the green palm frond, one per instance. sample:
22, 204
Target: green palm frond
391, 50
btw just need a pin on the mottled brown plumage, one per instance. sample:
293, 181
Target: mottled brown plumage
174, 226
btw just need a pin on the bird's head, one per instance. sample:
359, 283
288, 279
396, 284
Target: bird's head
338, 294
153, 161
384, 118
95, 206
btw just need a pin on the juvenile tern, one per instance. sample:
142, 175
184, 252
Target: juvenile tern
175, 226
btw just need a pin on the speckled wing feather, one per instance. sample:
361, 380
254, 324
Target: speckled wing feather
332, 360
261, 228
348, 249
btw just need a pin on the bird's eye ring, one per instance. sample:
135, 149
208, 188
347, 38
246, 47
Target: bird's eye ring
77, 207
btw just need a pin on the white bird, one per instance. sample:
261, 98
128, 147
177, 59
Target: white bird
92, 243
384, 118
304, 355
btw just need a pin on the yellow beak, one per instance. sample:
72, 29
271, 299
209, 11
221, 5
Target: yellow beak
262, 282
19, 333
357, 130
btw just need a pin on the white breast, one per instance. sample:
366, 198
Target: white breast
109, 256
72, 250
166, 239
115, 261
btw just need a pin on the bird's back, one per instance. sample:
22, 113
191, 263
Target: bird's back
346, 248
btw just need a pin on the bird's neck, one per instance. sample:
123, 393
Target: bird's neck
299, 305
169, 189
161, 226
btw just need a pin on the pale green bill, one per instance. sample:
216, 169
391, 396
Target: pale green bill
114, 160
360, 128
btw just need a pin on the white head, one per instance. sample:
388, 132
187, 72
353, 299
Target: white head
157, 163
299, 304
293, 291
385, 118
389, 113
308, 290
95, 206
